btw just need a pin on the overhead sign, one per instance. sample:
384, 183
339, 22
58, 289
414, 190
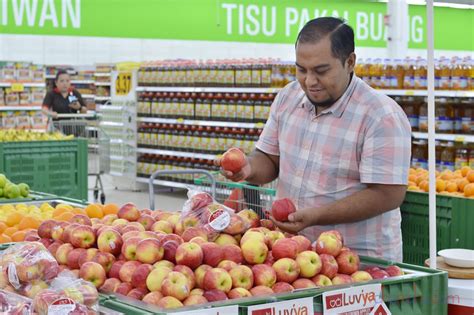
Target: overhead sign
263, 21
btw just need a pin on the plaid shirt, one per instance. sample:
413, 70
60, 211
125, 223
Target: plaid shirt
364, 138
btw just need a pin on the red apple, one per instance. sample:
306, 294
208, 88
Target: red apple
153, 297
233, 253
286, 269
281, 208
264, 275
175, 284
242, 277
233, 160
261, 290
303, 243
137, 293
227, 265
199, 274
189, 254
110, 285
321, 280
193, 232
194, 300
285, 248
140, 275
254, 252
361, 276
212, 254
88, 255
114, 271
170, 302
328, 243
185, 270
124, 288
147, 221
309, 262
196, 291
348, 262
81, 219
93, 272
251, 216
110, 241
82, 236
281, 287
129, 248
149, 251
54, 247
329, 265
45, 229
129, 212
155, 278
127, 270
73, 257
238, 293
341, 279
394, 271
303, 283
215, 295
225, 239
217, 278
62, 253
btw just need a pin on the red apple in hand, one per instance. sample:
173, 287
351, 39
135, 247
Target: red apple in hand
233, 160
281, 208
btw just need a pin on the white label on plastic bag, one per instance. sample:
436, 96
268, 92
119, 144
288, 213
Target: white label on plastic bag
61, 306
12, 276
219, 220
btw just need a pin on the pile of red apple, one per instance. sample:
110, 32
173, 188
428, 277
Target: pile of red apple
155, 257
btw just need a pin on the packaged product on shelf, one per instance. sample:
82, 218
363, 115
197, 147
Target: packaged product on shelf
448, 156
8, 120
12, 98
459, 80
8, 72
2, 97
24, 72
420, 154
23, 120
461, 156
37, 73
25, 97
444, 116
420, 74
37, 96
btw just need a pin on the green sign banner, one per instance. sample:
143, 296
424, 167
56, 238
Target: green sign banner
262, 21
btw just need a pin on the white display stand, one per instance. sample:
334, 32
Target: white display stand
460, 296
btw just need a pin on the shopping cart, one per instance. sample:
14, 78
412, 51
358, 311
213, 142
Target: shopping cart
87, 126
237, 196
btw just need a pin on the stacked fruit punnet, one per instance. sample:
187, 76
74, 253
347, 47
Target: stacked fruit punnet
154, 257
459, 183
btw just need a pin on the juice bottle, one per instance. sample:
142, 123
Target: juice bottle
166, 137
437, 74
154, 135
256, 69
458, 75
387, 73
213, 141
213, 68
230, 107
175, 106
420, 154
448, 156
375, 73
471, 155
467, 119
160, 136
412, 110
358, 68
205, 140
266, 74
189, 106
217, 107
438, 150
470, 71
423, 118
420, 75
409, 75
445, 74
462, 155
160, 104
154, 104
239, 108
199, 107
267, 103
180, 143
248, 108
167, 105
239, 137
444, 116
258, 107
277, 76
365, 71
399, 72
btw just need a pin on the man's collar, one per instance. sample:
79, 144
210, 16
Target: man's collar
337, 109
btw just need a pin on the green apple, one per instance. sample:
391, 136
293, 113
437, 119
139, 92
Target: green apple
1, 192
3, 180
13, 192
24, 189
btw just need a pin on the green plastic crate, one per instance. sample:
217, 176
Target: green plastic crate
415, 294
55, 167
454, 217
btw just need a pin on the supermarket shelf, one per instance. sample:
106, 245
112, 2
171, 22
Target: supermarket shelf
102, 98
206, 89
102, 74
166, 183
201, 122
111, 123
122, 158
445, 137
439, 93
177, 153
102, 83
20, 108
50, 76
111, 107
25, 84
88, 95
82, 81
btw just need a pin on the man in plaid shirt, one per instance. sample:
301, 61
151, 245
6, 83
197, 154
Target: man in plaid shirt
340, 149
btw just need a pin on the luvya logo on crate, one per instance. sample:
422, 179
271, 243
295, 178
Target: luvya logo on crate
363, 299
302, 306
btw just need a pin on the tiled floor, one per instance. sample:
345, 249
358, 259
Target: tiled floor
164, 198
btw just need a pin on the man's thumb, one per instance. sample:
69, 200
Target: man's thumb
294, 217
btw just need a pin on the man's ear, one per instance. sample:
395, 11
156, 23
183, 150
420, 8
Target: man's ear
350, 62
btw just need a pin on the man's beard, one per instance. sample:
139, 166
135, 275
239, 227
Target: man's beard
325, 104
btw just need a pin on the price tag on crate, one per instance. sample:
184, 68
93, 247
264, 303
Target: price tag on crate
17, 87
364, 299
223, 310
296, 306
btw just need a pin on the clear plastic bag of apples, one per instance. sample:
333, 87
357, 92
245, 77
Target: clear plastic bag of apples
203, 215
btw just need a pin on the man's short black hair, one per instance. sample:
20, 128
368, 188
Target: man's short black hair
340, 34
60, 72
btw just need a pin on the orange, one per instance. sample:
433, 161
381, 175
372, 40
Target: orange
440, 185
10, 231
451, 187
14, 218
465, 170
66, 216
29, 223
3, 226
424, 186
420, 178
79, 211
469, 190
18, 236
412, 178
94, 211
58, 211
470, 176
5, 239
110, 208
462, 182
447, 175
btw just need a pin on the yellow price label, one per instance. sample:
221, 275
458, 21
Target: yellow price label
459, 139
180, 120
17, 87
410, 92
123, 84
259, 125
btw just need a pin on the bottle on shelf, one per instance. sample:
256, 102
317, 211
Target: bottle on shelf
461, 155
387, 74
409, 74
444, 116
397, 82
448, 156
438, 150
423, 117
420, 154
459, 80
420, 74
444, 74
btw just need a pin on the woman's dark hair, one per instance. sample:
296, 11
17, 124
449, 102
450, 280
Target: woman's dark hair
60, 72
340, 34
